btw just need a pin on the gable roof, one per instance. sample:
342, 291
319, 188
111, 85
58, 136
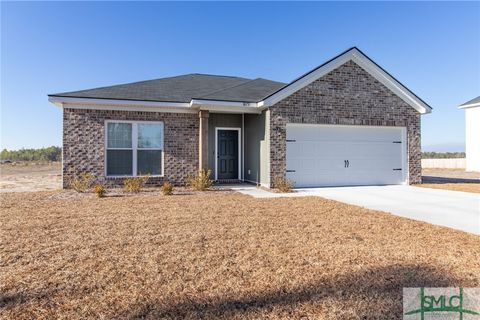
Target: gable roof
250, 91
226, 93
475, 102
365, 63
183, 88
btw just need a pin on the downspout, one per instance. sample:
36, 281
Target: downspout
243, 147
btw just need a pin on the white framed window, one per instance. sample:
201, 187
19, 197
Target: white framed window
133, 148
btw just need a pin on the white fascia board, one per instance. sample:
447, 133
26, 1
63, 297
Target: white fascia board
390, 82
225, 106
154, 106
305, 81
230, 109
363, 62
126, 105
471, 105
201, 102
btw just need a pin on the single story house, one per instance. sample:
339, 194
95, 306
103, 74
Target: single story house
472, 133
346, 122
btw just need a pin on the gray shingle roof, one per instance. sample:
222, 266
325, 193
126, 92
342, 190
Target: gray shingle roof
184, 88
474, 100
250, 91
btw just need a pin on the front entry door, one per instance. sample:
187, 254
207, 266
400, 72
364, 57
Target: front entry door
227, 154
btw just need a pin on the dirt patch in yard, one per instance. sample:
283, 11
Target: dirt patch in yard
218, 255
451, 179
28, 176
450, 176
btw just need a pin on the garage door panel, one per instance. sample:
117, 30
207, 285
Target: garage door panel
294, 150
372, 168
373, 149
308, 150
328, 164
302, 148
342, 133
305, 180
363, 178
312, 166
316, 155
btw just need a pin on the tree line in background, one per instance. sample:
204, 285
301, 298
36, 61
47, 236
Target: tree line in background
55, 154
442, 155
43, 154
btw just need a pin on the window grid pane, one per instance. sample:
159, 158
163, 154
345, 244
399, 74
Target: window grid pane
149, 162
119, 162
119, 135
150, 136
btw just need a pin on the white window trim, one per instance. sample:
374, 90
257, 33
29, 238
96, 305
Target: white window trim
239, 130
134, 147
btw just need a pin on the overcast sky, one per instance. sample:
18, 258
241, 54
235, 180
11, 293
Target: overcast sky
432, 48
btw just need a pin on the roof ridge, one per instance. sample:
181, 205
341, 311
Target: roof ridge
217, 91
217, 75
149, 80
270, 80
123, 84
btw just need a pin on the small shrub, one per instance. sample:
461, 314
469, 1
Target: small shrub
99, 190
284, 184
201, 181
167, 188
82, 182
135, 184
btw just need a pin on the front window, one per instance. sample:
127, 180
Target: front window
134, 148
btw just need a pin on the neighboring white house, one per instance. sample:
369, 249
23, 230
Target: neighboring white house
472, 130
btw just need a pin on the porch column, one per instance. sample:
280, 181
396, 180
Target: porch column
203, 140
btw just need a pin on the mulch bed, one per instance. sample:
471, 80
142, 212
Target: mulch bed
217, 255
145, 192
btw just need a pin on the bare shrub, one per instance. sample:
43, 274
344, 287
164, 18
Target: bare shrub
99, 190
135, 184
201, 181
167, 188
82, 182
283, 184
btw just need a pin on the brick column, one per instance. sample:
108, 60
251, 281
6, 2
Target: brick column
203, 140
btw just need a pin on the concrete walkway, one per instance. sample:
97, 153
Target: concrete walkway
454, 209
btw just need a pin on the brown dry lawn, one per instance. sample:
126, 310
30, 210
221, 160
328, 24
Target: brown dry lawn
217, 255
451, 179
465, 187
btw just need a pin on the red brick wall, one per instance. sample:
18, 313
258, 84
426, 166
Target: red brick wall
84, 143
347, 95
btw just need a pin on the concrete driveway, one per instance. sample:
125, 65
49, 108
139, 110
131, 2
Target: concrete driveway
454, 209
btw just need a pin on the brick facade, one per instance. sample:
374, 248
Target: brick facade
347, 95
84, 143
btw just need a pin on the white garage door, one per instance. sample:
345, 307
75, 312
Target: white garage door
335, 155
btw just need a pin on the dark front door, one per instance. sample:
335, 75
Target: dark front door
227, 155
